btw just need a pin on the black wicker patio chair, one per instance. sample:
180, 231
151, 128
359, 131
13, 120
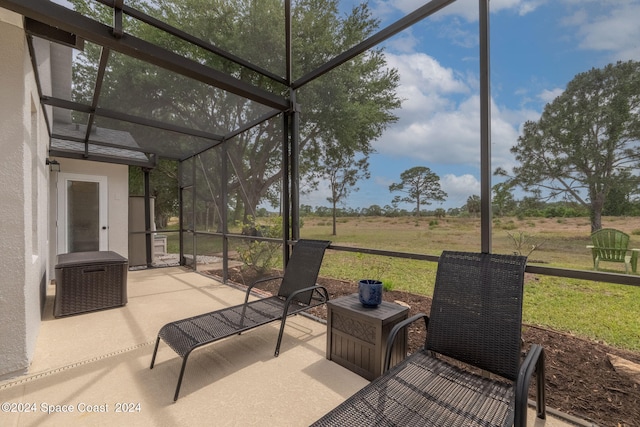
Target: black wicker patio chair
475, 318
298, 292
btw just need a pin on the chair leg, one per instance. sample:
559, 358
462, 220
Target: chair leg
541, 404
184, 365
155, 351
277, 352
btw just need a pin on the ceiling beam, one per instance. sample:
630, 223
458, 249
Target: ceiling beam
271, 114
116, 115
176, 32
102, 158
419, 14
93, 31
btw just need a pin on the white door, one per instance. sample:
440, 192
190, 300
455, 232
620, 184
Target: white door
82, 213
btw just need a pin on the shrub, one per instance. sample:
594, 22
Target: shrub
509, 226
387, 285
523, 244
259, 255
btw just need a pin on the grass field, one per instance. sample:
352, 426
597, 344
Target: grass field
604, 312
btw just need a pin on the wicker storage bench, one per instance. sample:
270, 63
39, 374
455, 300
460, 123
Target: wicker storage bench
89, 281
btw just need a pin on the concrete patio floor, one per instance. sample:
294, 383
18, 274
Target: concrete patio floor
97, 365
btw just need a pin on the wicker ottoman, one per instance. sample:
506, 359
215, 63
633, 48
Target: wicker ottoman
89, 281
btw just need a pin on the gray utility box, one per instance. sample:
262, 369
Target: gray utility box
89, 281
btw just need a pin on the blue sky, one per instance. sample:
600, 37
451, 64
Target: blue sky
537, 47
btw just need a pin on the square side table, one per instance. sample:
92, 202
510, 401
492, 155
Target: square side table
357, 335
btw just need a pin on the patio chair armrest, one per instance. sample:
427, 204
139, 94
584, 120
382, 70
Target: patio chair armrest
394, 331
608, 248
321, 290
266, 279
534, 362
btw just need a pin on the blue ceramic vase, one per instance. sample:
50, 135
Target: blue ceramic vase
370, 292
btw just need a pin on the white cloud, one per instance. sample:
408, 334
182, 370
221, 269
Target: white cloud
579, 17
405, 42
610, 28
527, 8
383, 181
548, 95
439, 122
459, 188
452, 137
419, 68
468, 9
424, 86
444, 137
316, 197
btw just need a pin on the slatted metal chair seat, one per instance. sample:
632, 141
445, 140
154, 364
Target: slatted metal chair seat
470, 371
298, 292
405, 397
185, 335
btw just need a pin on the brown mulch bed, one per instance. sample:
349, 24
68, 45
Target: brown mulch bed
580, 379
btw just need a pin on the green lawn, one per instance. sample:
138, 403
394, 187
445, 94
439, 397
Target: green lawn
598, 311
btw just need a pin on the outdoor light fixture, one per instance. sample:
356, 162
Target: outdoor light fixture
54, 165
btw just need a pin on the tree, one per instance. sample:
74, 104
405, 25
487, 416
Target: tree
350, 106
420, 186
306, 210
530, 206
342, 172
163, 187
585, 140
453, 211
503, 201
473, 205
373, 210
619, 202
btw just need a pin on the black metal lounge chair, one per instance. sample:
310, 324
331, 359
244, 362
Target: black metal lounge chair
476, 317
298, 292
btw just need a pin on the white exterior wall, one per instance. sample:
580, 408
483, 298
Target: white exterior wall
23, 201
28, 198
118, 202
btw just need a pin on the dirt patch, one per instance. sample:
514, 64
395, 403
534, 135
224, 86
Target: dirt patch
579, 377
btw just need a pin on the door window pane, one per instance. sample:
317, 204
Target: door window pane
83, 210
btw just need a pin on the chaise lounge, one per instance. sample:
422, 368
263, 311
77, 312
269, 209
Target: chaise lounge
298, 292
470, 372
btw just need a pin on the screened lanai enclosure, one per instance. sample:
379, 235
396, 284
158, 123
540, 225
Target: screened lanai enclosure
233, 115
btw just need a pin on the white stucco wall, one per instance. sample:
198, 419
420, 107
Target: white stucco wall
24, 201
27, 198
